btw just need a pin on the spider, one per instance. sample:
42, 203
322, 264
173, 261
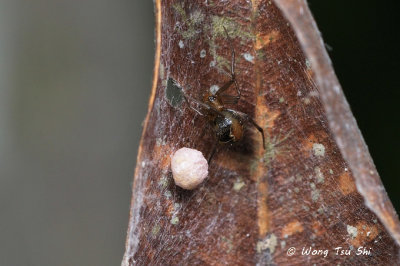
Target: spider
228, 124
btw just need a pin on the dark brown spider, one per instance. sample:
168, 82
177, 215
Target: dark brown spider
228, 124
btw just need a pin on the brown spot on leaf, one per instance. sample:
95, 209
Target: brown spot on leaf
308, 143
365, 233
170, 208
318, 228
262, 212
292, 228
347, 184
163, 153
264, 40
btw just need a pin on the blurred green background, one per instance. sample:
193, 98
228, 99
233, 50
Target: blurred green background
75, 78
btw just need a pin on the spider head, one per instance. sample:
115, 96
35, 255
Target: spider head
212, 100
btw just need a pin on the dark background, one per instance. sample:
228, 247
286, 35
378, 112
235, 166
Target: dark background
75, 78
363, 36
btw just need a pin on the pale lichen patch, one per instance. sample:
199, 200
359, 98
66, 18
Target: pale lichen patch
248, 57
158, 142
163, 182
155, 230
177, 206
319, 149
192, 21
352, 231
315, 194
269, 242
167, 194
174, 220
319, 175
162, 71
196, 17
238, 185
308, 64
234, 29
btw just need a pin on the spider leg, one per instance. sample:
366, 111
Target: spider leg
212, 152
203, 105
233, 63
208, 108
250, 120
229, 99
232, 74
225, 87
191, 107
225, 72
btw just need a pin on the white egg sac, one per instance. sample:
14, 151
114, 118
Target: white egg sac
189, 168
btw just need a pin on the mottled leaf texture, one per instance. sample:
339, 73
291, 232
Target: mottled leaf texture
314, 188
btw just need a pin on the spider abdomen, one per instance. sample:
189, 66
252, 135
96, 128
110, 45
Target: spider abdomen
228, 127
